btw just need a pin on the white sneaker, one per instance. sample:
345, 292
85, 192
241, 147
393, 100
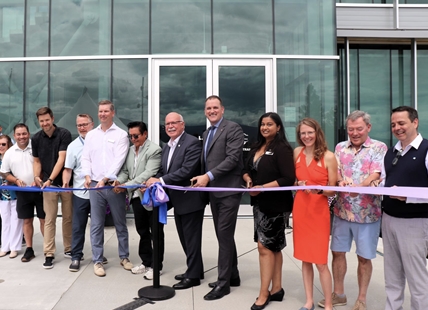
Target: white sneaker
149, 273
139, 269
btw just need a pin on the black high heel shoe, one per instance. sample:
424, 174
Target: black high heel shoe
260, 307
278, 296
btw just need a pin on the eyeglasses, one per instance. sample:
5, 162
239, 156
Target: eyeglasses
83, 125
134, 136
309, 133
3, 144
395, 160
173, 123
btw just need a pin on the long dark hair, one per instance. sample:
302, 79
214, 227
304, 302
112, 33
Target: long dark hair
279, 137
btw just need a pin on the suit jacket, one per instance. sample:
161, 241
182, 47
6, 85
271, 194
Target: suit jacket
224, 157
184, 165
148, 164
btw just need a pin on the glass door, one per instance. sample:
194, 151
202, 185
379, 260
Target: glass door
182, 85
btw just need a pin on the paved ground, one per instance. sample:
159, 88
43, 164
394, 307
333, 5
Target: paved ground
28, 286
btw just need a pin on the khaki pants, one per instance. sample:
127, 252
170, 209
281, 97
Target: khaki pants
50, 206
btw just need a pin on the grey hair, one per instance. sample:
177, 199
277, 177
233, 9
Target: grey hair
356, 115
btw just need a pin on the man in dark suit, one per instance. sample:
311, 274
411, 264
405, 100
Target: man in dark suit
222, 167
180, 162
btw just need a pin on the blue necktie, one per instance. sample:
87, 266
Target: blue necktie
209, 140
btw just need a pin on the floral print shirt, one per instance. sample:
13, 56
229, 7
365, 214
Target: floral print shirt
354, 167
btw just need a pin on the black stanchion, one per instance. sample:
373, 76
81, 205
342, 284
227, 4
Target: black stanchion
156, 291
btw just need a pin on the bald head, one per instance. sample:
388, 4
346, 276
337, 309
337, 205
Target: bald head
174, 125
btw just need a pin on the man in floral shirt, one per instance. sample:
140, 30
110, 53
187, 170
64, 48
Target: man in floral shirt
356, 216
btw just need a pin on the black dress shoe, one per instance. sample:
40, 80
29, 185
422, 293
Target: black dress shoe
217, 293
260, 307
278, 296
233, 282
186, 283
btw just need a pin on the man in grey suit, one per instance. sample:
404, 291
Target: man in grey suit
222, 165
181, 162
142, 162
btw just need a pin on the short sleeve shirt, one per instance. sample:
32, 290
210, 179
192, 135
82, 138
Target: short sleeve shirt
354, 167
72, 161
47, 150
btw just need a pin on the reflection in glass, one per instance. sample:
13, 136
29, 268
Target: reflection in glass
11, 28
423, 90
183, 90
37, 28
305, 27
130, 89
130, 40
181, 26
36, 91
76, 87
80, 28
243, 27
11, 94
242, 90
307, 88
380, 79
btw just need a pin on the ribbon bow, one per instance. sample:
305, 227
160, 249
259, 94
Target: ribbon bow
155, 196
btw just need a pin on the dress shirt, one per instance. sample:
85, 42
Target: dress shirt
415, 143
72, 161
19, 163
104, 152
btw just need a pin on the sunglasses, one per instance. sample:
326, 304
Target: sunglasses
3, 144
135, 137
395, 160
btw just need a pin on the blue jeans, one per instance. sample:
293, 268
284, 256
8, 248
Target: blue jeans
99, 200
81, 208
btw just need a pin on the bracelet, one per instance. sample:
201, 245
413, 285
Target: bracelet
50, 180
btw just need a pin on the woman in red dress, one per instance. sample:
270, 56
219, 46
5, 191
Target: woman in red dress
315, 165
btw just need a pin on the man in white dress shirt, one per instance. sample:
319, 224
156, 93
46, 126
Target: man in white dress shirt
103, 155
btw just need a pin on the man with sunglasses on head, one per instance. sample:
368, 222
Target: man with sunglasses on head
142, 162
356, 216
405, 219
103, 155
73, 172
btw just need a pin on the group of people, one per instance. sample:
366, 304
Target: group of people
101, 156
360, 161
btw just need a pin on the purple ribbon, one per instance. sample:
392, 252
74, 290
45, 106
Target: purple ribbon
155, 196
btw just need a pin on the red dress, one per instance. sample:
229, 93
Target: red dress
311, 214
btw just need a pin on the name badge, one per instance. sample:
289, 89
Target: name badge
268, 153
111, 141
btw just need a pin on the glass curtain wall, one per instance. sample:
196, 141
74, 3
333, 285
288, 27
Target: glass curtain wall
380, 80
423, 89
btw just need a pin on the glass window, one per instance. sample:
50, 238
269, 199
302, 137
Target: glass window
36, 91
130, 27
242, 27
423, 90
307, 88
183, 90
380, 80
181, 26
305, 27
414, 1
76, 87
37, 28
365, 1
130, 89
11, 94
80, 28
12, 28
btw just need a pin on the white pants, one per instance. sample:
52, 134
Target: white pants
11, 232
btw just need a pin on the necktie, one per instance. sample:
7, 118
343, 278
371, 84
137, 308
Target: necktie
210, 137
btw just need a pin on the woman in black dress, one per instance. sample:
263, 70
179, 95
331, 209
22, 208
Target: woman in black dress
270, 164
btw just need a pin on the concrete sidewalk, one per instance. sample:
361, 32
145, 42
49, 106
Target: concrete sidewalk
29, 286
